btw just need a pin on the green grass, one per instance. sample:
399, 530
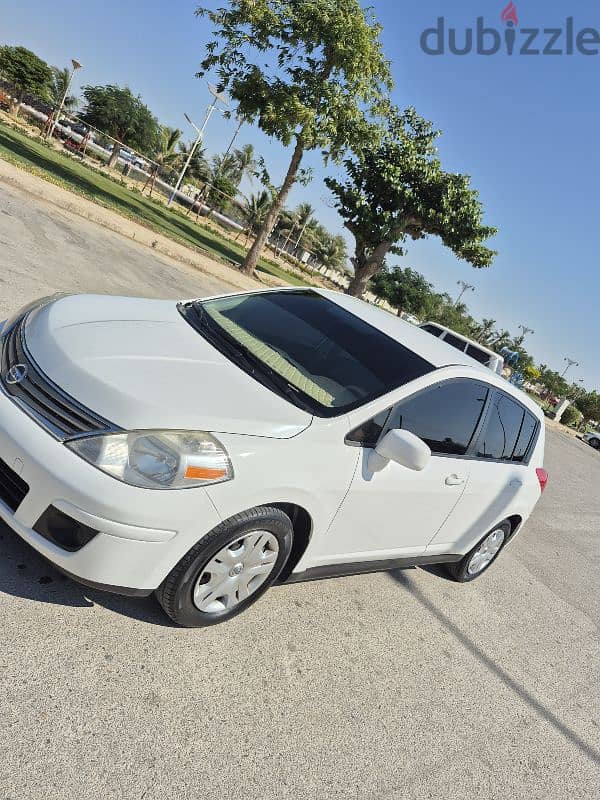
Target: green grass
71, 174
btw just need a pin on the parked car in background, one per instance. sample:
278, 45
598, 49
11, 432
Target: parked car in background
477, 351
592, 438
204, 450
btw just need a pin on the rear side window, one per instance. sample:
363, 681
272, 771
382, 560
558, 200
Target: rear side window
432, 329
450, 338
503, 431
445, 416
526, 438
477, 354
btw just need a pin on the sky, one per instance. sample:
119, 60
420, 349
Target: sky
525, 127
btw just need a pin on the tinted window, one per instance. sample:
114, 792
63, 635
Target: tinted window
477, 354
502, 429
432, 329
525, 437
449, 338
307, 348
369, 432
444, 416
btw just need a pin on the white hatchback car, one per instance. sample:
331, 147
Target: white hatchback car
206, 449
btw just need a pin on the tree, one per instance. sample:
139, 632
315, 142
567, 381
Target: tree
246, 164
122, 115
399, 190
254, 210
589, 405
325, 67
26, 73
329, 250
58, 86
405, 289
198, 169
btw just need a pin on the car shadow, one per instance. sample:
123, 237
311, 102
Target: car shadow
588, 750
25, 573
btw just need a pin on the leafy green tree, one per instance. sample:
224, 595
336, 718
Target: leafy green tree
26, 73
398, 190
122, 115
58, 87
406, 289
167, 153
305, 72
589, 405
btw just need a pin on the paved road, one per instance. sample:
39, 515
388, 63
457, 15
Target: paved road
400, 685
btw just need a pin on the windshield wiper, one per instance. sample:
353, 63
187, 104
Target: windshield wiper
245, 358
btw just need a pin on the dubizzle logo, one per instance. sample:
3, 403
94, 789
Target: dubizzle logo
511, 40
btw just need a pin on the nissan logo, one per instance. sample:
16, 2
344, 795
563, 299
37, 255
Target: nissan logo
16, 374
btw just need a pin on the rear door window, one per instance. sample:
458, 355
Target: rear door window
450, 338
432, 329
503, 429
477, 354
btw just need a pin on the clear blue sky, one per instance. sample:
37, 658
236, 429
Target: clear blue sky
526, 128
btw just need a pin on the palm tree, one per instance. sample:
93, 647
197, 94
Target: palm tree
166, 154
330, 250
254, 210
246, 163
484, 331
198, 168
58, 86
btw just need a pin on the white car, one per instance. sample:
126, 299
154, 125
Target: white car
206, 449
593, 439
484, 355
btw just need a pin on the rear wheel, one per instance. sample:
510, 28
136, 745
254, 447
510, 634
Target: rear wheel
482, 555
595, 443
229, 569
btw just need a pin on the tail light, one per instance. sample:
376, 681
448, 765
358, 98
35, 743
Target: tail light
542, 476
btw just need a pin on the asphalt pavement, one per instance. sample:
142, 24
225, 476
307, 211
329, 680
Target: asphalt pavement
395, 685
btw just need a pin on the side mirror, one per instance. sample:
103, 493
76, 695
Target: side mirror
404, 448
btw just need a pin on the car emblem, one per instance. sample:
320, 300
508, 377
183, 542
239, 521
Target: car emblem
16, 374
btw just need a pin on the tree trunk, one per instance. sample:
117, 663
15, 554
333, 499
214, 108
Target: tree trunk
365, 268
251, 259
114, 155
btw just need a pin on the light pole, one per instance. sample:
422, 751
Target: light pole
525, 330
570, 363
240, 121
465, 288
76, 65
200, 130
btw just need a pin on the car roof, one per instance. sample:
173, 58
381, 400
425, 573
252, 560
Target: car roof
429, 347
464, 338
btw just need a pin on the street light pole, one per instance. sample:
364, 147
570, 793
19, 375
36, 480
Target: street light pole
240, 122
525, 330
200, 130
76, 65
570, 363
465, 287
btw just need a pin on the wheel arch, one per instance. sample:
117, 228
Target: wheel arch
303, 527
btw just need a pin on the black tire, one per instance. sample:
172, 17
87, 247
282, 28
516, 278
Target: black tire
460, 569
175, 594
595, 443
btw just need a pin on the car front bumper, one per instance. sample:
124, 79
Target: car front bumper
142, 533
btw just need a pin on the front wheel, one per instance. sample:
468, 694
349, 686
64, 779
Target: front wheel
229, 569
482, 555
595, 443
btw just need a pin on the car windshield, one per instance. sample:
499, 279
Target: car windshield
306, 347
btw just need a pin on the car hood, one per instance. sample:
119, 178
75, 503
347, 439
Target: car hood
139, 364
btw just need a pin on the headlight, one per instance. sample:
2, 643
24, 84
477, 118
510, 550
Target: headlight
157, 459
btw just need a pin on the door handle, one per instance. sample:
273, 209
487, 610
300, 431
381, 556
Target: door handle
454, 480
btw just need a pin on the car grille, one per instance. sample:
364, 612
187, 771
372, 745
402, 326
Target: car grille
49, 405
12, 488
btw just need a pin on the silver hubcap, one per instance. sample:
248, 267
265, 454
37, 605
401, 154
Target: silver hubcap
486, 552
236, 572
